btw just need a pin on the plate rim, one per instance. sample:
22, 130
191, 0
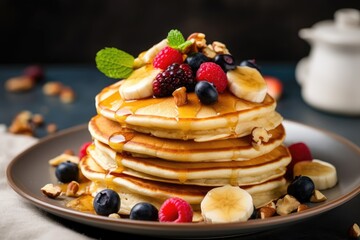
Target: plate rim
172, 228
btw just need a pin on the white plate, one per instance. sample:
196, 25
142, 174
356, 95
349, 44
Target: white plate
29, 171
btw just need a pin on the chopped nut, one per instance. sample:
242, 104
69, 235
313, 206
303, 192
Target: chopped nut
302, 207
354, 231
114, 215
219, 48
72, 189
286, 205
180, 96
209, 52
266, 212
37, 119
67, 95
317, 197
51, 128
52, 88
22, 124
51, 191
260, 135
63, 158
199, 40
19, 84
271, 205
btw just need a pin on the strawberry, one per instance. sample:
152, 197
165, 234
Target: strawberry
175, 210
82, 150
275, 86
167, 56
299, 152
212, 73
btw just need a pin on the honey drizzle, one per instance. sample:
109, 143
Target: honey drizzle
117, 140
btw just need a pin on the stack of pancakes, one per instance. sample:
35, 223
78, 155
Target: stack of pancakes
151, 149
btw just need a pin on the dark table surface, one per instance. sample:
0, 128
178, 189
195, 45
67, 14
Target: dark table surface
87, 81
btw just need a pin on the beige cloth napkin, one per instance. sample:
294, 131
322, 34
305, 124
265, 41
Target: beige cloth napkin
18, 218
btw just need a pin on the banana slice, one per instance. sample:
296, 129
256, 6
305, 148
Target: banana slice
322, 173
227, 204
247, 83
147, 56
139, 84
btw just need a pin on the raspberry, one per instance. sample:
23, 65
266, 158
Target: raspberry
175, 210
82, 151
213, 73
174, 77
167, 56
299, 152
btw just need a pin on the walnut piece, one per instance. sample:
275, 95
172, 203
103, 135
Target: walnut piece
286, 205
199, 40
219, 48
51, 191
72, 189
317, 197
67, 95
266, 212
19, 84
354, 231
302, 207
180, 96
22, 124
52, 88
260, 135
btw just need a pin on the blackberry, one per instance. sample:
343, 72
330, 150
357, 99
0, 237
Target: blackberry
174, 77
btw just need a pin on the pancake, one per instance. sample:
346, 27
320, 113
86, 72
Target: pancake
257, 170
138, 144
228, 117
262, 193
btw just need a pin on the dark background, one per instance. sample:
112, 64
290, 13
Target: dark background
59, 31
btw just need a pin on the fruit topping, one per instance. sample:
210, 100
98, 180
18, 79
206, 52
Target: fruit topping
323, 174
275, 87
195, 60
206, 92
225, 61
213, 73
247, 83
175, 210
82, 150
144, 211
174, 77
67, 171
250, 63
227, 204
106, 202
299, 152
166, 57
35, 72
302, 188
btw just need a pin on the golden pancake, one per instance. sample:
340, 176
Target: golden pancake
228, 117
261, 193
257, 170
138, 144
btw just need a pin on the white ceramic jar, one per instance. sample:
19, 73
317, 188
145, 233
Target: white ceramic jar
330, 75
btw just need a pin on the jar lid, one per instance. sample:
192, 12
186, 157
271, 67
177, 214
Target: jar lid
345, 29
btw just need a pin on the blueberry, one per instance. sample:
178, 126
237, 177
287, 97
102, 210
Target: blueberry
206, 92
67, 171
301, 187
195, 60
144, 211
225, 61
250, 63
106, 202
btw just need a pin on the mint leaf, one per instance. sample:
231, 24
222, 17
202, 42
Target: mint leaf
184, 45
114, 63
175, 38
